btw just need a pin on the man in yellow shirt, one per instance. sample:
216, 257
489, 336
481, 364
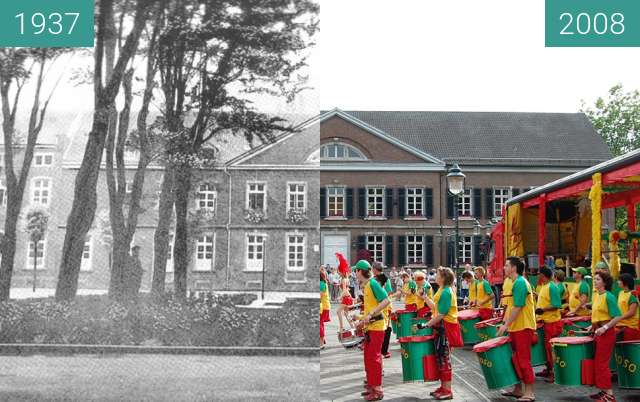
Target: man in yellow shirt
548, 308
483, 295
521, 324
580, 295
506, 299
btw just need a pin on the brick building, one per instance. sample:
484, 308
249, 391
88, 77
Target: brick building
383, 177
256, 205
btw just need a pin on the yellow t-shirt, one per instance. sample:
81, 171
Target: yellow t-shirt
574, 298
473, 296
409, 298
506, 300
625, 299
549, 296
523, 297
446, 304
373, 295
481, 294
325, 304
429, 290
604, 307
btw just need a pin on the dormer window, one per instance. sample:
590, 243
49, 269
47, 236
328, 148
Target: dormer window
340, 151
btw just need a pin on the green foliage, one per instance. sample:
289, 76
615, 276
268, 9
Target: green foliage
617, 119
36, 222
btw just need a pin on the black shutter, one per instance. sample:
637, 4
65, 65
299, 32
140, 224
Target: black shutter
401, 203
450, 202
323, 202
428, 203
428, 251
349, 209
515, 192
389, 202
362, 206
476, 250
362, 243
450, 251
488, 196
477, 203
388, 251
402, 251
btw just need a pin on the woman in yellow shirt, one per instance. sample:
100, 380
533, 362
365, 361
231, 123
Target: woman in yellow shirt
628, 303
424, 292
580, 295
325, 304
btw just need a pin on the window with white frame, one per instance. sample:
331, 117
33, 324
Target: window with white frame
295, 252
335, 201
41, 190
375, 201
296, 196
414, 201
375, 245
170, 253
256, 196
87, 249
340, 151
466, 249
414, 250
39, 255
206, 198
465, 203
255, 252
128, 186
43, 160
500, 197
205, 249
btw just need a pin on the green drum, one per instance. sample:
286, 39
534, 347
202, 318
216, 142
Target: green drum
538, 352
494, 356
423, 331
575, 324
405, 322
393, 318
573, 360
468, 319
627, 357
487, 329
418, 358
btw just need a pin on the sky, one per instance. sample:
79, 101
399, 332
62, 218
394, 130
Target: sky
462, 55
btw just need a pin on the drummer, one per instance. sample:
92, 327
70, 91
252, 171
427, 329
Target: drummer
325, 304
376, 301
628, 303
483, 295
558, 279
581, 294
424, 292
408, 291
521, 324
384, 281
605, 314
548, 311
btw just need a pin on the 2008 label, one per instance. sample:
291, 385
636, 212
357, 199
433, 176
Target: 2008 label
585, 24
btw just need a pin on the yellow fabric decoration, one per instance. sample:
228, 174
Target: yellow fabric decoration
614, 258
595, 195
514, 231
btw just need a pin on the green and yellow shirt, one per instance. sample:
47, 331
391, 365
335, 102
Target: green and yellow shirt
325, 304
574, 299
523, 297
604, 307
549, 296
446, 304
374, 294
625, 300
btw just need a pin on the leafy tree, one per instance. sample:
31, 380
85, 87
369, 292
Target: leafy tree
36, 222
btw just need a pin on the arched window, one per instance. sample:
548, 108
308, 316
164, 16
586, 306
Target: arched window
341, 151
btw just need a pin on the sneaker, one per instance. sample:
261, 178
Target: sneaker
444, 395
374, 396
436, 391
596, 396
543, 373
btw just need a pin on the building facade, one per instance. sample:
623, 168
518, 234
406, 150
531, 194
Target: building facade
383, 177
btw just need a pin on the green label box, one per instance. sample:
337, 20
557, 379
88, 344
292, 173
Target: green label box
46, 23
592, 23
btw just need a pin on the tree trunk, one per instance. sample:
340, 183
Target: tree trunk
35, 265
180, 252
8, 251
161, 236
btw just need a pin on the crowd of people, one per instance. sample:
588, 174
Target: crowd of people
522, 309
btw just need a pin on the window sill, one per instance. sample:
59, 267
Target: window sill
295, 269
202, 270
415, 218
467, 218
375, 218
336, 218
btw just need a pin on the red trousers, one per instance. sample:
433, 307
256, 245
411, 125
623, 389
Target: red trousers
373, 358
521, 345
485, 313
551, 330
630, 334
604, 345
325, 316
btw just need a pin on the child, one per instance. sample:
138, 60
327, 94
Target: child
483, 295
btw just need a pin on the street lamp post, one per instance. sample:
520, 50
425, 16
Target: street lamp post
455, 185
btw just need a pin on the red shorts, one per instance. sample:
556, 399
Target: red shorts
347, 300
325, 316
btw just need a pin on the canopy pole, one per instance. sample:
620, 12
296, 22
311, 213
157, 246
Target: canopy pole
542, 215
595, 195
631, 227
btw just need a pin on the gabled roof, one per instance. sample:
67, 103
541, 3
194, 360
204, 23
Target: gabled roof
490, 138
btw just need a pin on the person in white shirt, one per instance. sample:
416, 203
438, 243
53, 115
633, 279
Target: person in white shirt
334, 278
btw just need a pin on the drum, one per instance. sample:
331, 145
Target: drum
468, 319
573, 360
405, 322
627, 355
538, 352
418, 359
487, 329
494, 356
423, 331
575, 323
350, 338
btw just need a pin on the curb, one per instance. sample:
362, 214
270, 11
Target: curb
64, 349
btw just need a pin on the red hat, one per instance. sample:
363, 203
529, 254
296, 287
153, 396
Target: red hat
343, 266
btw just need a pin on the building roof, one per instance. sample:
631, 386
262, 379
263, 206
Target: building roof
494, 138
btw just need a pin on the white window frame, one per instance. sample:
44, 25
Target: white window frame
343, 190
497, 212
327, 149
383, 203
48, 188
465, 203
128, 186
295, 268
3, 199
417, 197
298, 194
466, 250
254, 264
86, 264
172, 240
40, 265
263, 192
375, 245
205, 266
43, 157
206, 193
415, 253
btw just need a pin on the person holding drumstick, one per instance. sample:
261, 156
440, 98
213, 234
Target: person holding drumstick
483, 295
605, 314
325, 304
386, 284
558, 279
375, 301
520, 322
581, 294
408, 291
424, 292
548, 311
628, 303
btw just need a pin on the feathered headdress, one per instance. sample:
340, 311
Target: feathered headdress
343, 266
